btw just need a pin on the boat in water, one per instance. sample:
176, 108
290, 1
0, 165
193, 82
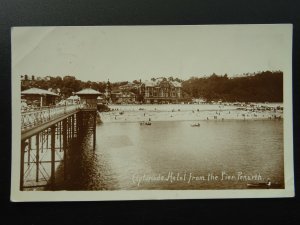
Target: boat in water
195, 125
265, 185
145, 123
258, 185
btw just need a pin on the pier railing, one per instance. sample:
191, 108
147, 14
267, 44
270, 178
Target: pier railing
89, 106
35, 117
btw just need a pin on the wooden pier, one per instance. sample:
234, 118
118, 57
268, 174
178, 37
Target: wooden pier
46, 136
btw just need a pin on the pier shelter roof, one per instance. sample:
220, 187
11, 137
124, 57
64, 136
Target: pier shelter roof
38, 91
39, 97
88, 97
88, 92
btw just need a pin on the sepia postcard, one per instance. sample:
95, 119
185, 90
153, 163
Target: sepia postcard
152, 112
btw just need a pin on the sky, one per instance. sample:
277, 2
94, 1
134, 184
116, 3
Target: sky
127, 53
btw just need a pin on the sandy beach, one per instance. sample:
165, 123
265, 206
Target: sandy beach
192, 112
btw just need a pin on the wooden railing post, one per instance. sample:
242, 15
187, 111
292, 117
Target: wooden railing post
37, 142
65, 146
23, 145
52, 156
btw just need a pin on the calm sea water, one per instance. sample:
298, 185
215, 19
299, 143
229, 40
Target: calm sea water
174, 155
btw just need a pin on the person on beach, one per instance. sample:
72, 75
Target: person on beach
269, 182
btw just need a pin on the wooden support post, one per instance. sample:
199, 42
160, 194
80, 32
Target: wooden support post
37, 143
49, 111
94, 130
47, 140
28, 151
69, 129
76, 122
60, 134
73, 126
79, 122
23, 145
65, 146
42, 141
52, 156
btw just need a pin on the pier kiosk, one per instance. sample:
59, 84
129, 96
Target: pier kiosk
88, 97
88, 100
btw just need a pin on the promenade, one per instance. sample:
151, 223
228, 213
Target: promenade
191, 112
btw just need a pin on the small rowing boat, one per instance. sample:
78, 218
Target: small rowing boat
195, 125
260, 185
145, 123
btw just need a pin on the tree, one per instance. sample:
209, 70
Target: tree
260, 87
136, 82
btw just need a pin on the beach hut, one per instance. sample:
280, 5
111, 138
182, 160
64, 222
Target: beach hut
74, 99
101, 100
39, 97
88, 97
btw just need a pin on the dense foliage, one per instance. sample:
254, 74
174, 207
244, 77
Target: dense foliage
67, 85
260, 87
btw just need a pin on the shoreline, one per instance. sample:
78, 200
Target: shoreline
191, 120
206, 112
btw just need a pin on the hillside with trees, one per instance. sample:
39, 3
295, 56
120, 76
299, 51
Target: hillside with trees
66, 84
264, 86
259, 87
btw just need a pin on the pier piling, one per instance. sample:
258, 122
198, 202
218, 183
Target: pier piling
50, 141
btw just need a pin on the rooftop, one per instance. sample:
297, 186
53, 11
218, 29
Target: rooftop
176, 84
74, 97
88, 91
158, 81
37, 91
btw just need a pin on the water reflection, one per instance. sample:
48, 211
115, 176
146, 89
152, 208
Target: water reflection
166, 155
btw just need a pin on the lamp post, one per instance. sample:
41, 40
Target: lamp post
41, 102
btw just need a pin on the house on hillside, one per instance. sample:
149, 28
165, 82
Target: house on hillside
161, 90
123, 97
